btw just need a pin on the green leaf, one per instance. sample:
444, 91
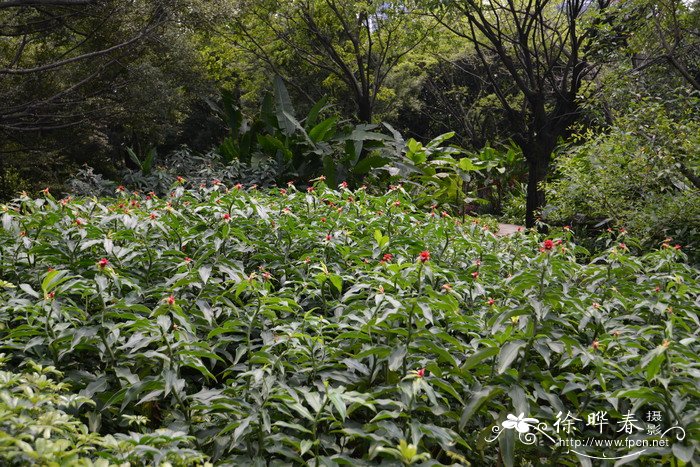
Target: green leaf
337, 282
478, 399
339, 404
509, 352
284, 108
369, 163
467, 165
320, 132
396, 357
478, 357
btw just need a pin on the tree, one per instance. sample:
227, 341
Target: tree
82, 79
542, 45
665, 31
357, 43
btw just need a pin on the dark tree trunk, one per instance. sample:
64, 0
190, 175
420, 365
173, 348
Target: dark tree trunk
538, 156
364, 109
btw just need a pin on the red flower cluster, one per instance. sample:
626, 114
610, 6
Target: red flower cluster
547, 245
424, 256
387, 257
171, 300
103, 263
227, 216
420, 373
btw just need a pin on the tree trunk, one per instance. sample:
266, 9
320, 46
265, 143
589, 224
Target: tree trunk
538, 158
364, 109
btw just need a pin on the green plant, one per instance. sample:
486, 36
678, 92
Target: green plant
328, 325
39, 426
641, 174
145, 162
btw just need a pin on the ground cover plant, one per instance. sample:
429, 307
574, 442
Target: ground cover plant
326, 326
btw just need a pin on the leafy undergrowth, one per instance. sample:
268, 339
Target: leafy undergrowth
334, 327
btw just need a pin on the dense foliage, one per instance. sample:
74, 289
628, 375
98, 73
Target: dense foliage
330, 326
639, 175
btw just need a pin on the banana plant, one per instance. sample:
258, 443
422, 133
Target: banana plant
144, 163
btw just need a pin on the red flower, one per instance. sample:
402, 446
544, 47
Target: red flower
283, 191
677, 247
548, 244
397, 203
153, 216
475, 274
623, 246
387, 257
595, 344
180, 180
424, 256
309, 189
227, 216
238, 186
323, 219
491, 301
328, 238
121, 188
171, 300
103, 263
343, 185
420, 373
51, 295
45, 191
216, 182
188, 259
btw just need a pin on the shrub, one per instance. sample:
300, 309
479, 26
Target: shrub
330, 326
637, 175
38, 426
